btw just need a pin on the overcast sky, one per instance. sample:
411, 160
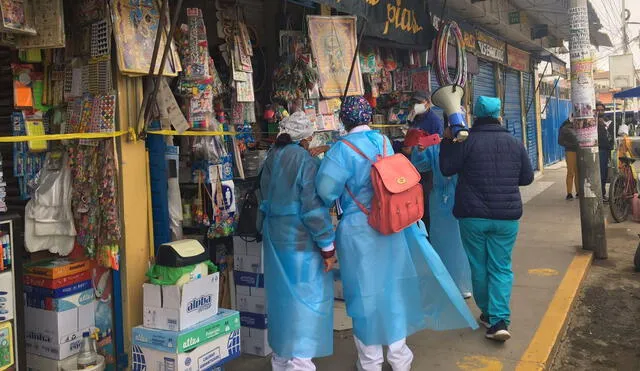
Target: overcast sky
609, 12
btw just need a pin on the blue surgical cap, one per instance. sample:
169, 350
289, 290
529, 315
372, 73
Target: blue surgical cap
487, 107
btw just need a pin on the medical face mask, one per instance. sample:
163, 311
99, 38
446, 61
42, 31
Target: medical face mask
419, 108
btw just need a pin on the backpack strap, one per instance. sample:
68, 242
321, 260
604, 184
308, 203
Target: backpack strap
358, 151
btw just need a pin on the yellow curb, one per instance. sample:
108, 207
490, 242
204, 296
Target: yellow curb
539, 351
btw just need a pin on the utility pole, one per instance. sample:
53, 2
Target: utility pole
625, 34
584, 122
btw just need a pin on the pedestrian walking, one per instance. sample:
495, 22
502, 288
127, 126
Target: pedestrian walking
567, 138
394, 285
491, 165
298, 251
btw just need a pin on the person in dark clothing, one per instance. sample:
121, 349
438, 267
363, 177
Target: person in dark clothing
605, 146
491, 166
567, 138
422, 117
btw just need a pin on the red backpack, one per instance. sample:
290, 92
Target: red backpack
398, 200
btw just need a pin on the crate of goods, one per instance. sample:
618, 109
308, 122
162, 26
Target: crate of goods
57, 335
205, 346
59, 307
255, 341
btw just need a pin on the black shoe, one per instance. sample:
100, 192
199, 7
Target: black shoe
484, 321
498, 332
569, 197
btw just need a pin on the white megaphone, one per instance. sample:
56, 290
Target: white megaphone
449, 98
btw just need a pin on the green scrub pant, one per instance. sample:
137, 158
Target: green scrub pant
489, 244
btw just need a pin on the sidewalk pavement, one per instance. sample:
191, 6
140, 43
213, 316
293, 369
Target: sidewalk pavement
548, 264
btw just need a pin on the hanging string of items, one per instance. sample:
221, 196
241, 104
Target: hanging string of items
449, 29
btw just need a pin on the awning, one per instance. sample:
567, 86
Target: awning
631, 93
405, 22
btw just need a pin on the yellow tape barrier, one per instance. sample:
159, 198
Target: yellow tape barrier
192, 133
72, 136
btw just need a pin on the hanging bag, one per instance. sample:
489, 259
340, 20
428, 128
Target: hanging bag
250, 215
398, 200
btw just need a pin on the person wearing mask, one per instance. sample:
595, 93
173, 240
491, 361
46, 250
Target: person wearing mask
423, 118
394, 285
491, 166
445, 232
298, 239
567, 138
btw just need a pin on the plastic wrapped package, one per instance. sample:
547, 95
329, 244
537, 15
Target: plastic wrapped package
48, 216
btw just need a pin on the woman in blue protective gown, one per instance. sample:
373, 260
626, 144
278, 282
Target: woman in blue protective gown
394, 285
445, 233
298, 251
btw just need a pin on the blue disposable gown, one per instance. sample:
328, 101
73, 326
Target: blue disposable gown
445, 231
394, 285
296, 224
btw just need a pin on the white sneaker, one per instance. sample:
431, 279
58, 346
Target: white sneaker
466, 295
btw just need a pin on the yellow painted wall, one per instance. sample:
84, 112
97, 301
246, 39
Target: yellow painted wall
134, 205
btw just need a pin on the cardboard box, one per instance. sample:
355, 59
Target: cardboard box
53, 351
60, 304
56, 268
257, 342
6, 296
30, 280
248, 279
246, 263
253, 320
175, 309
243, 290
58, 327
255, 249
258, 291
241, 247
219, 325
251, 304
60, 292
205, 357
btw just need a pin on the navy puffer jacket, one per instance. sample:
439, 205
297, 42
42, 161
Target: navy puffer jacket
491, 165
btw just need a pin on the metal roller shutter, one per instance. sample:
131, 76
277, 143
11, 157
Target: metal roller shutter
532, 130
512, 103
484, 83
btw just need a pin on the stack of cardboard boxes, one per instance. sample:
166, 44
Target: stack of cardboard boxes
59, 307
251, 300
183, 329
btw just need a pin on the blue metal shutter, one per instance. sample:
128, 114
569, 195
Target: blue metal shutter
484, 83
532, 130
512, 107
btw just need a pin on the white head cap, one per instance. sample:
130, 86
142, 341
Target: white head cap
297, 125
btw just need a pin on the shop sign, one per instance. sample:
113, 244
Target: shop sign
518, 59
469, 39
406, 22
490, 48
558, 67
514, 17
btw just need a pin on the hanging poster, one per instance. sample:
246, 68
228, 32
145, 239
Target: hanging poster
48, 18
518, 59
333, 42
490, 48
420, 81
17, 17
405, 22
134, 26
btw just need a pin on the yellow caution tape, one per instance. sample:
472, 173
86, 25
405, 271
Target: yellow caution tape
51, 137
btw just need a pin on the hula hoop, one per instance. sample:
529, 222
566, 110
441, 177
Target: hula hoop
447, 30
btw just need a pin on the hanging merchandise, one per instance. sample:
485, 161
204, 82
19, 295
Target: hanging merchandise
169, 109
450, 29
49, 223
17, 17
134, 27
48, 18
22, 87
224, 205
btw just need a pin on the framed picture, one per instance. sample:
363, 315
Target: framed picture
48, 18
17, 17
134, 27
333, 42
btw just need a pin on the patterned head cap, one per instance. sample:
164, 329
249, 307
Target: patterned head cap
355, 111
